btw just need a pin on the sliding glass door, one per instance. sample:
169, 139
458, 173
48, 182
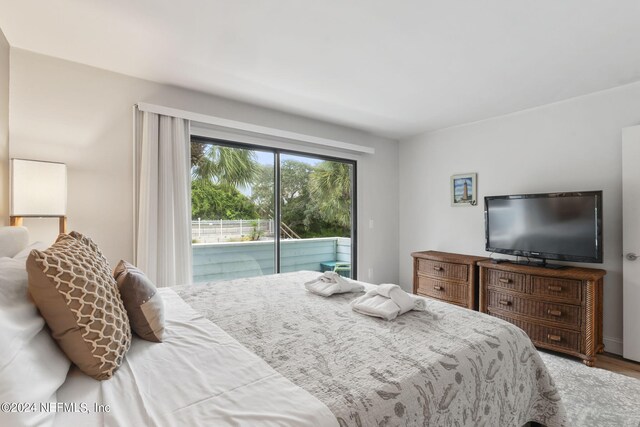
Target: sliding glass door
316, 217
232, 212
259, 211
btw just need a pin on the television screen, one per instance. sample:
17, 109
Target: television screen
560, 226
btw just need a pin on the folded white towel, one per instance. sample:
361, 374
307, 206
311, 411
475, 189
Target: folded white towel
332, 283
387, 301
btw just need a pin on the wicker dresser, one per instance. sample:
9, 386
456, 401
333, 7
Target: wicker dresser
452, 278
560, 310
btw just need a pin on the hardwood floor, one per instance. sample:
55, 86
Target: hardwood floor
615, 363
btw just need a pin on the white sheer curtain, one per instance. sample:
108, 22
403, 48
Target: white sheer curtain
162, 198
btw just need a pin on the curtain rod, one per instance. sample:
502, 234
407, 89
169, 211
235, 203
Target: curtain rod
249, 127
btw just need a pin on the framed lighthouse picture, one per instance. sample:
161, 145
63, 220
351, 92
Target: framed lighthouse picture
464, 190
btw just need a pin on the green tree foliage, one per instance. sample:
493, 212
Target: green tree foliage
215, 201
216, 172
315, 200
330, 187
223, 165
294, 192
262, 191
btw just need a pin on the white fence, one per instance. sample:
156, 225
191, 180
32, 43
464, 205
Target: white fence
216, 231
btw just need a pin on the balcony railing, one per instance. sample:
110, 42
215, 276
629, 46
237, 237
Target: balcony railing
231, 260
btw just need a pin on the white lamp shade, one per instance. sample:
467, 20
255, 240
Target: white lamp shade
38, 188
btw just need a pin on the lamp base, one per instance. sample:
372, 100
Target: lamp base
16, 221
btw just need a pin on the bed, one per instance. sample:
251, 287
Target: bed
199, 376
447, 366
264, 352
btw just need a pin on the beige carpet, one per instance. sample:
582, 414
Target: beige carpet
594, 397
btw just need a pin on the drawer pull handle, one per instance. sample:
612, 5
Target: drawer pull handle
556, 313
555, 288
556, 338
504, 302
438, 288
504, 280
438, 268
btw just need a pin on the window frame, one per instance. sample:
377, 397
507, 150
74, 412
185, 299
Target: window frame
278, 217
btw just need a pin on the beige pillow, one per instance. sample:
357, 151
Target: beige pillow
91, 244
141, 299
76, 294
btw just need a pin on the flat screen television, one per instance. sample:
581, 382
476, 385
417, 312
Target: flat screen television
551, 226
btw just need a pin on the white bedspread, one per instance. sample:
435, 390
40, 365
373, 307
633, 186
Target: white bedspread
199, 376
448, 366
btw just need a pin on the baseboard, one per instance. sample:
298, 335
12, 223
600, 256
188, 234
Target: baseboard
612, 345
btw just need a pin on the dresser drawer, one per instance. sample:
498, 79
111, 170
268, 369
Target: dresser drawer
442, 289
569, 290
506, 280
545, 336
445, 270
562, 314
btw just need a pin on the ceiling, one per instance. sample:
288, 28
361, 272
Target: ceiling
394, 68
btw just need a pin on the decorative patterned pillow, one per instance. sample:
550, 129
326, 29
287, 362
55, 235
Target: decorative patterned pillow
91, 244
72, 286
141, 299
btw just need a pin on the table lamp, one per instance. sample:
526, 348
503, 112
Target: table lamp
38, 190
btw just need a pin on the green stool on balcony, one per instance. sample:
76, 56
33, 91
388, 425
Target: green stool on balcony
342, 268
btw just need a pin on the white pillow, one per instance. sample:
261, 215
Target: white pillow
24, 254
32, 367
12, 240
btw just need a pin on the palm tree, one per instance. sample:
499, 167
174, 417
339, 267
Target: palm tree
330, 186
234, 167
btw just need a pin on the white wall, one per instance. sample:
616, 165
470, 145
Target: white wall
66, 112
567, 146
4, 130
